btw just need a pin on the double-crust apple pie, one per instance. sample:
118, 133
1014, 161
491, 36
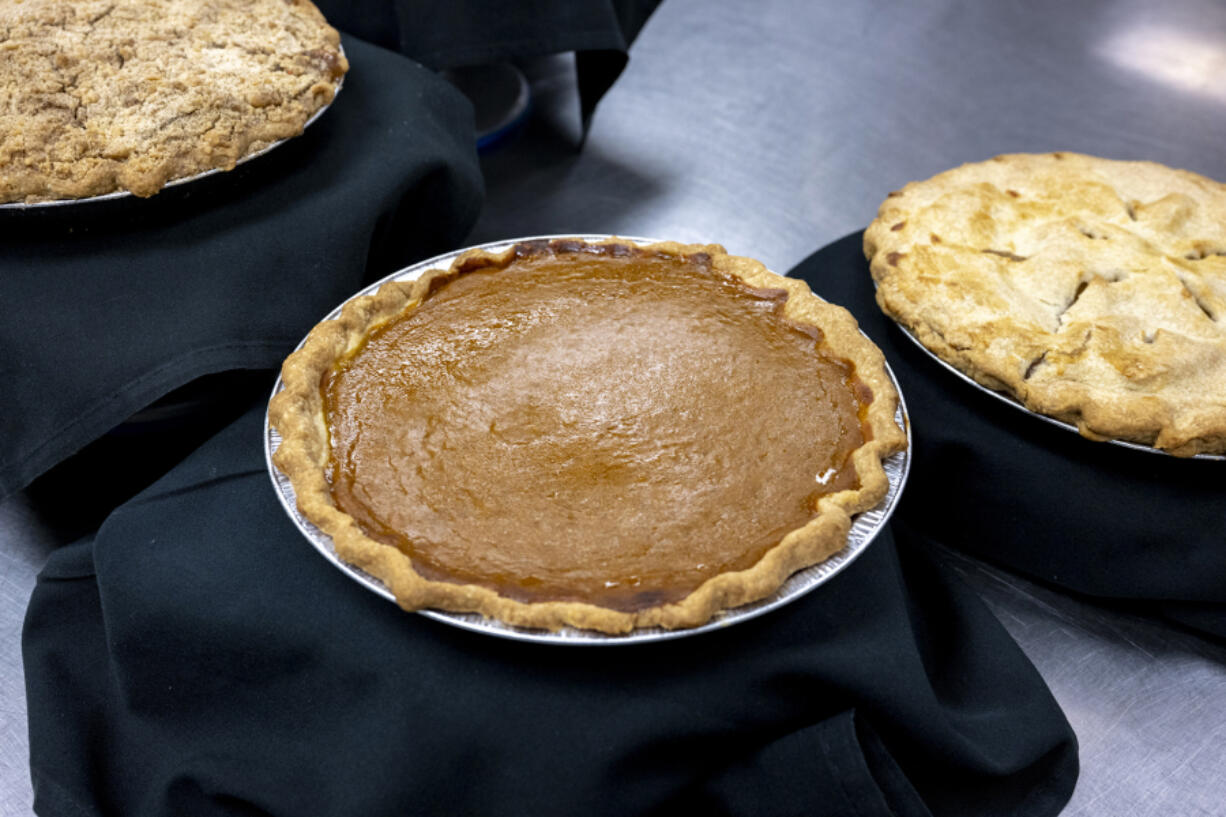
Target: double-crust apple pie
597, 434
111, 95
1091, 290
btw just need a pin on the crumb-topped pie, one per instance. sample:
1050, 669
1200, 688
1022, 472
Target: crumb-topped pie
603, 435
114, 95
1091, 290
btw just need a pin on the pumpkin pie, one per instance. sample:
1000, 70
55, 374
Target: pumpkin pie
126, 95
1090, 290
602, 435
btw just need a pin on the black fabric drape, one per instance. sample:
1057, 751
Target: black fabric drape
478, 32
1098, 519
111, 305
197, 656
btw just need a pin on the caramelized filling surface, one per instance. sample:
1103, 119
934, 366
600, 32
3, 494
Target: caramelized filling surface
609, 426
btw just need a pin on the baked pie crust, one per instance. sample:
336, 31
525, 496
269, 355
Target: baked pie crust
1091, 290
109, 95
584, 433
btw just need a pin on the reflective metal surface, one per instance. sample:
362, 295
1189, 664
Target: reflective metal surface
864, 528
777, 126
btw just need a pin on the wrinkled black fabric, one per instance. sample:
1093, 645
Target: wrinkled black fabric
987, 479
479, 32
199, 657
111, 305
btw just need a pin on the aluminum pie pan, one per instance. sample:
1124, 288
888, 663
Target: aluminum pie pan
864, 528
123, 194
1010, 400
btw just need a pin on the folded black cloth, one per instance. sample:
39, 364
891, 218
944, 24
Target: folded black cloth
111, 305
478, 32
1098, 519
198, 656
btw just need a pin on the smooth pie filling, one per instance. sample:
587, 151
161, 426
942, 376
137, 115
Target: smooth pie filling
611, 426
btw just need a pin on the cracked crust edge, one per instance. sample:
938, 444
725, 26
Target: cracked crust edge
298, 415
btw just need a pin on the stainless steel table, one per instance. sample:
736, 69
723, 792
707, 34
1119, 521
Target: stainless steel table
776, 126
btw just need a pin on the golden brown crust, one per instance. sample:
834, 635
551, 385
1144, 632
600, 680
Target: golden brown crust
297, 412
1091, 290
110, 95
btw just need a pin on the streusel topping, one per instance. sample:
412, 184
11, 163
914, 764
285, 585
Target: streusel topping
113, 95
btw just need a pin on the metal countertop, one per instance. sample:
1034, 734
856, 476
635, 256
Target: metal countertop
774, 127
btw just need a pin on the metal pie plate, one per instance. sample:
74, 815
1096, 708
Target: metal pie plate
1009, 400
123, 194
864, 528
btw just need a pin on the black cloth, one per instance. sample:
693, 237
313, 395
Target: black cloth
111, 305
1099, 519
479, 32
197, 656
